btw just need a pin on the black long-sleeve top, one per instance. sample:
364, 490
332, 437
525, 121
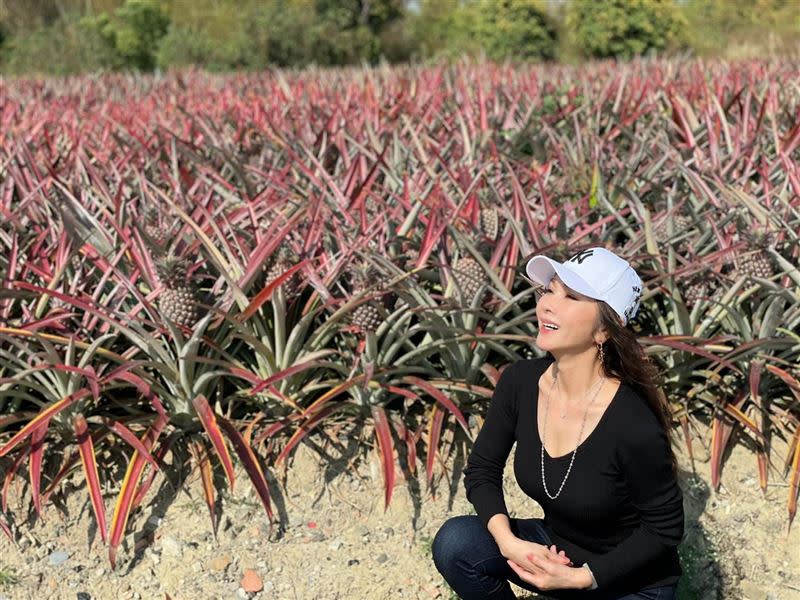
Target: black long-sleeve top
621, 509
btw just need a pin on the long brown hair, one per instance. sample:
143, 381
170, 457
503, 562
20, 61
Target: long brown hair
625, 359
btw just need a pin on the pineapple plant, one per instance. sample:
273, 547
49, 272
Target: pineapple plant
282, 259
179, 297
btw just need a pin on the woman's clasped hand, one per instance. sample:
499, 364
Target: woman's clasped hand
546, 568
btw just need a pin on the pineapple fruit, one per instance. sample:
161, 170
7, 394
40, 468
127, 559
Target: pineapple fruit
283, 259
366, 316
179, 297
489, 218
155, 234
680, 223
469, 277
755, 262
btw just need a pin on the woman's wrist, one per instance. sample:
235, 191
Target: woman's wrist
585, 578
504, 542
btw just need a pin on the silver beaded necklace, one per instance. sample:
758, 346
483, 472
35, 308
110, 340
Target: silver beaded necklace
544, 433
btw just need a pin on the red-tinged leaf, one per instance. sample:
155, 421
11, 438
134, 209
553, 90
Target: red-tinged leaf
434, 433
126, 493
411, 448
69, 462
492, 374
401, 391
89, 463
130, 438
303, 431
12, 471
433, 233
386, 446
265, 294
332, 393
122, 374
271, 430
7, 530
244, 374
720, 434
794, 481
35, 464
163, 448
441, 398
250, 462
98, 312
42, 418
716, 451
280, 375
756, 369
793, 384
209, 421
672, 342
207, 477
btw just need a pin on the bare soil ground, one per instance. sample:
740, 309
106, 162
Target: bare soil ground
335, 541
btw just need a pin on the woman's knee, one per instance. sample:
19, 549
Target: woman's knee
452, 540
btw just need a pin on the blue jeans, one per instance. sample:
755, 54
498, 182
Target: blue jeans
467, 556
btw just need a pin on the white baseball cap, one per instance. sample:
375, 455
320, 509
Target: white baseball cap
597, 273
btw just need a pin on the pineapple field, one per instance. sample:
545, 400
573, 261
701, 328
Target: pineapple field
204, 277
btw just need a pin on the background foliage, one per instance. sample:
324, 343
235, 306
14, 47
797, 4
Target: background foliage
248, 34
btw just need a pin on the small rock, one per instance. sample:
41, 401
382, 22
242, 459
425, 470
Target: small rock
83, 596
251, 582
197, 567
240, 593
363, 530
220, 563
335, 545
171, 547
389, 532
57, 558
154, 520
352, 561
752, 591
382, 558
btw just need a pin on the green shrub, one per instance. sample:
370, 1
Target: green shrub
513, 29
625, 28
62, 48
134, 32
502, 29
716, 25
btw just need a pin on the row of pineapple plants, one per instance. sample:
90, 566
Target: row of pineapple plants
215, 285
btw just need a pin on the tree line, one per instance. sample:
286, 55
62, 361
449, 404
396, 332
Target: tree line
70, 36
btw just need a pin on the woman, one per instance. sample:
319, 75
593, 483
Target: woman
593, 449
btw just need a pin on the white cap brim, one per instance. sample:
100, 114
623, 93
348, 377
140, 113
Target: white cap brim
540, 269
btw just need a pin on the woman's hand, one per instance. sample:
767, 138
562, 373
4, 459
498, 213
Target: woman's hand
519, 553
547, 573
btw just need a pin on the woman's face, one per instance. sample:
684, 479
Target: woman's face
575, 315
